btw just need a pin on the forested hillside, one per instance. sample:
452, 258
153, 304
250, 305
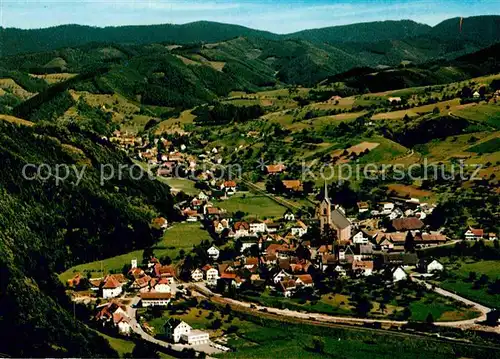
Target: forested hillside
363, 32
474, 33
16, 41
367, 79
480, 29
49, 226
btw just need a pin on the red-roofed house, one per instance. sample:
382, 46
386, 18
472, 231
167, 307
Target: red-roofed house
141, 283
304, 280
163, 286
112, 284
152, 299
473, 234
190, 214
274, 169
115, 313
229, 187
366, 267
293, 185
167, 272
407, 224
241, 229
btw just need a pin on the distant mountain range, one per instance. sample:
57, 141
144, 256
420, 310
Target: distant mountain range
482, 30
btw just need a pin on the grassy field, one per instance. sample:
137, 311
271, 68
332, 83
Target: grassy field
418, 111
283, 92
465, 289
253, 205
15, 120
442, 309
181, 184
412, 191
490, 268
257, 337
13, 87
180, 236
459, 283
283, 103
185, 118
441, 149
386, 151
122, 346
273, 339
334, 304
488, 113
488, 146
55, 78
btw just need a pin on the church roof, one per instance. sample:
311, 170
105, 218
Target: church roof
339, 219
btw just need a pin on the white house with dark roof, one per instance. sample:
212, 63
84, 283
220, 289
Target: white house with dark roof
430, 266
175, 328
213, 252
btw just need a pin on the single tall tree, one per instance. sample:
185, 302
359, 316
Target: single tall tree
409, 242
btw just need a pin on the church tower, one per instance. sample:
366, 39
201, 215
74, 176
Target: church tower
324, 211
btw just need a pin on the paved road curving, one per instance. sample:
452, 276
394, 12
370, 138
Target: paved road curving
136, 328
471, 323
461, 323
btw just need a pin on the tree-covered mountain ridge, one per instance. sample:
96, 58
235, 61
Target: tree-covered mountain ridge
483, 29
48, 226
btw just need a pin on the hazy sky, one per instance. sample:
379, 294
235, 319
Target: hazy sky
274, 15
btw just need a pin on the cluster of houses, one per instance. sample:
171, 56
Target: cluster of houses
282, 249
398, 209
126, 140
153, 283
114, 315
154, 286
292, 258
171, 160
292, 267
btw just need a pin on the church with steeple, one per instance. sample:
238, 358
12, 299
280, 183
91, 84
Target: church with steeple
331, 217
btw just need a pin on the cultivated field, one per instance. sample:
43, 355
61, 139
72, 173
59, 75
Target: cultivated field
181, 236
253, 205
